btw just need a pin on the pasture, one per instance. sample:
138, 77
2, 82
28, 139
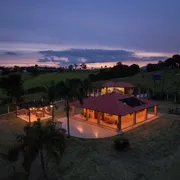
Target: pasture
144, 79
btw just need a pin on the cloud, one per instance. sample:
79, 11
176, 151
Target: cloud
72, 56
10, 53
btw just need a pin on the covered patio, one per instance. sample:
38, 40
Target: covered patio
115, 110
32, 111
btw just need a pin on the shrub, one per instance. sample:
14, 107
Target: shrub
121, 144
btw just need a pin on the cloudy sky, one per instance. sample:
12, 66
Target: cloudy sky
61, 32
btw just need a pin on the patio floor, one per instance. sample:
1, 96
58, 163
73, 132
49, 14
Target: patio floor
83, 129
33, 117
88, 129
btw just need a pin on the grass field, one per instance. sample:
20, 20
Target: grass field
45, 79
146, 82
155, 154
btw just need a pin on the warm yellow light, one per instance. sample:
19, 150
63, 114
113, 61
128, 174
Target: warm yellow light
40, 108
96, 134
33, 108
30, 109
51, 106
80, 129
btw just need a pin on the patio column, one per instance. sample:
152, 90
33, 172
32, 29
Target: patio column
72, 110
134, 118
87, 114
99, 92
29, 112
53, 112
155, 110
119, 123
146, 114
98, 117
103, 116
106, 90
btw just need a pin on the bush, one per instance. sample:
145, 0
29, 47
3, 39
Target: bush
121, 144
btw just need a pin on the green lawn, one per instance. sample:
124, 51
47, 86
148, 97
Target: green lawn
155, 154
45, 79
147, 82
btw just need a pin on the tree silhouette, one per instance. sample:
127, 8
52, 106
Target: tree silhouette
41, 140
70, 90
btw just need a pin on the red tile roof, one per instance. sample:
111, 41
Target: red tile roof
117, 84
110, 103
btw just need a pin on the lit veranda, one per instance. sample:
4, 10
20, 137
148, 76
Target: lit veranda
114, 121
33, 111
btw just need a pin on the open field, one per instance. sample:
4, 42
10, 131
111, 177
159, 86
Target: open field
155, 152
45, 79
146, 82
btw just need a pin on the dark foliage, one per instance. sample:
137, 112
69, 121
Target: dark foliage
169, 63
121, 144
117, 71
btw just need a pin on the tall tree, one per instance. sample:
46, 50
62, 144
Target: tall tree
51, 91
13, 87
71, 89
41, 140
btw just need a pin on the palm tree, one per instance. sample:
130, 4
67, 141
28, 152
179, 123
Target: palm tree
51, 91
87, 85
71, 89
41, 140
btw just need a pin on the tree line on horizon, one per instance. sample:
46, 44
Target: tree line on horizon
170, 63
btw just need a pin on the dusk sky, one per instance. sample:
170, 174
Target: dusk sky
140, 31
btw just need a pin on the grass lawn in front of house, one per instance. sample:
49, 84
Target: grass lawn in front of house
155, 152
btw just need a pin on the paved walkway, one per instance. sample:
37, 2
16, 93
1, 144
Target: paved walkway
85, 130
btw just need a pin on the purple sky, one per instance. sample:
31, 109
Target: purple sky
148, 28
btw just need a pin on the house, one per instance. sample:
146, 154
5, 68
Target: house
114, 86
115, 110
117, 86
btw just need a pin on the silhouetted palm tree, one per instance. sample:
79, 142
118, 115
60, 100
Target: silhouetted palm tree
41, 140
51, 91
71, 89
